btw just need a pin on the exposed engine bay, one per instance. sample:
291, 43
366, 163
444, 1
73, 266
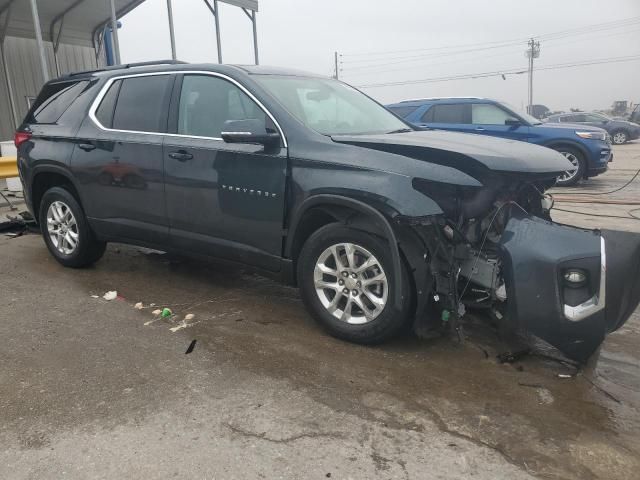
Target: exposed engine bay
496, 249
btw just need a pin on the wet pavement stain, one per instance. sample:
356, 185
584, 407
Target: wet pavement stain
560, 428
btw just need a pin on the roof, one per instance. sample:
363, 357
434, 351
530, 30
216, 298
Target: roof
420, 101
176, 66
82, 18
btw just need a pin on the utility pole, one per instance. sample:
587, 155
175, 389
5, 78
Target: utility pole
533, 51
335, 61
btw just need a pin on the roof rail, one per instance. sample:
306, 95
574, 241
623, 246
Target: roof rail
126, 65
442, 98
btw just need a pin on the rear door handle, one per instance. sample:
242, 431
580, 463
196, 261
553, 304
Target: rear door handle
479, 129
87, 147
181, 156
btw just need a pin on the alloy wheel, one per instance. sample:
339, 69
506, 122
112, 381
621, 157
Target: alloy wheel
62, 228
570, 174
351, 283
619, 138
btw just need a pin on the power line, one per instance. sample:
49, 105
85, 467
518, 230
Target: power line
547, 36
349, 72
511, 71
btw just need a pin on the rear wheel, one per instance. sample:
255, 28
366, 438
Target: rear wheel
619, 137
66, 231
347, 282
571, 177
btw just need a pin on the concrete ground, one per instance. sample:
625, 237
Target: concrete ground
98, 389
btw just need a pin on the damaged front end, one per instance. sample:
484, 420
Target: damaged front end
496, 248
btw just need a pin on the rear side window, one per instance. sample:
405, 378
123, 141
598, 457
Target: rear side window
403, 112
104, 113
140, 104
460, 113
53, 101
427, 117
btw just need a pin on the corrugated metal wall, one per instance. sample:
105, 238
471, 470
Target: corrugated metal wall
25, 72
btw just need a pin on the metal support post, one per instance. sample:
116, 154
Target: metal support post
254, 20
252, 17
171, 31
36, 27
114, 32
216, 16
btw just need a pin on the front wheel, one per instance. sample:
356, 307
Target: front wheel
571, 177
66, 231
347, 282
619, 137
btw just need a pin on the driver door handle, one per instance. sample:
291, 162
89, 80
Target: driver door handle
181, 156
479, 129
87, 147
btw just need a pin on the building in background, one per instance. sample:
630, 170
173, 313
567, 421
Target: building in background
25, 74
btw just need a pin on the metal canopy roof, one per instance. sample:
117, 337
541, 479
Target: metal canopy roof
80, 18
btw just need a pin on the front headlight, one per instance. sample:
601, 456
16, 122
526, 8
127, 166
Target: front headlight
592, 135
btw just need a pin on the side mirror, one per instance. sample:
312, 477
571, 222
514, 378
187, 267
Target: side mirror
250, 130
512, 122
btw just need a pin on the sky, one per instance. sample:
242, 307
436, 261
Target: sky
409, 40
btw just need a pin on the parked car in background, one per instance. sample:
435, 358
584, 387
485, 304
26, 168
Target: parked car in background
621, 131
539, 111
635, 115
586, 147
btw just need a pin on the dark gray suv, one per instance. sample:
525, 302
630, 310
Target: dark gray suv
620, 131
311, 181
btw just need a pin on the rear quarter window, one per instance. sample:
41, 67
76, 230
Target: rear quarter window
54, 100
403, 112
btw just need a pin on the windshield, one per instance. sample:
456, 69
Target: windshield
525, 116
331, 107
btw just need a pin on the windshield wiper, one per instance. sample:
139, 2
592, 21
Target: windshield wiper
401, 130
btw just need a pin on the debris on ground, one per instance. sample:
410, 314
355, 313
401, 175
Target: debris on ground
192, 345
111, 295
166, 312
564, 375
18, 225
157, 312
138, 306
511, 357
189, 316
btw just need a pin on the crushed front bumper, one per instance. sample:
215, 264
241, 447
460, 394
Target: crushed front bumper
536, 254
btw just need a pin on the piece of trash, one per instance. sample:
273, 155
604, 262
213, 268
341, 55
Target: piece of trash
192, 345
138, 306
95, 296
112, 295
189, 316
157, 312
511, 357
166, 312
152, 304
564, 375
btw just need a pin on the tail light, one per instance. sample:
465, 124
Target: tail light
21, 137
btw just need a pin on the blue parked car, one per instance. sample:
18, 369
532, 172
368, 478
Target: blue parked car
587, 147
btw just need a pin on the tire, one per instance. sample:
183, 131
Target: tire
619, 137
383, 321
577, 158
62, 222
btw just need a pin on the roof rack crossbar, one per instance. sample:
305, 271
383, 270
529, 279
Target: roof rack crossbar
128, 65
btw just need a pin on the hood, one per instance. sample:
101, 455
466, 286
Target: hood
465, 151
570, 126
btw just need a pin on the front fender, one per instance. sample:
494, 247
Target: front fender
361, 207
389, 191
